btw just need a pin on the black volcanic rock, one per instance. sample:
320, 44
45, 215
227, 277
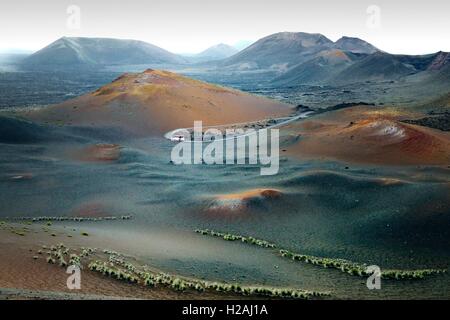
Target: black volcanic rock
73, 53
440, 122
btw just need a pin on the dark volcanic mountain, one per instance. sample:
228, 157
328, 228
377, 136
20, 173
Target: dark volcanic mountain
378, 66
348, 60
382, 66
355, 45
285, 58
279, 51
322, 67
72, 53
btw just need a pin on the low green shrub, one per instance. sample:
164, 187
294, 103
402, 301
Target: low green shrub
51, 260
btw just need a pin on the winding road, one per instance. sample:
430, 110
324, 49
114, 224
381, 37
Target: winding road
169, 135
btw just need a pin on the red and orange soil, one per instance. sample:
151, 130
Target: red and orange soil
155, 102
368, 135
21, 272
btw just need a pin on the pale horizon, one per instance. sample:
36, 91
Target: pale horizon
189, 27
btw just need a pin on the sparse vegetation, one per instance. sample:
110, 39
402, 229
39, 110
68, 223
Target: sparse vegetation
77, 219
51, 260
151, 279
232, 237
349, 267
119, 268
86, 252
74, 260
111, 271
180, 284
358, 269
410, 274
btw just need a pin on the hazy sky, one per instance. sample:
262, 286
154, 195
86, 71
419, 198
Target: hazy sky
399, 26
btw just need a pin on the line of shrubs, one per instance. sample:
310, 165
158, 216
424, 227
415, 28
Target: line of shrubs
86, 251
341, 264
182, 284
109, 270
118, 259
59, 252
358, 269
57, 256
346, 266
233, 237
410, 274
77, 219
264, 291
152, 279
118, 268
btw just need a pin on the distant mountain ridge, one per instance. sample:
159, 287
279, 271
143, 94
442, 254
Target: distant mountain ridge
348, 60
286, 58
219, 51
277, 50
67, 53
287, 49
382, 66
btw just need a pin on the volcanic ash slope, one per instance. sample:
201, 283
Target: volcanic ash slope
154, 102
